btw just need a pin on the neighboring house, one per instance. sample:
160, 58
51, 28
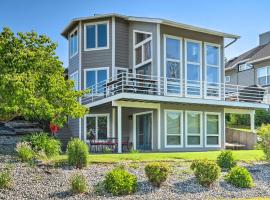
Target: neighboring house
251, 67
156, 83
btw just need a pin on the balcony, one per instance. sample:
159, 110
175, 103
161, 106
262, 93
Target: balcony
144, 86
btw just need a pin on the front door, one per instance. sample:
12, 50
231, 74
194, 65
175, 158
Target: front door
143, 131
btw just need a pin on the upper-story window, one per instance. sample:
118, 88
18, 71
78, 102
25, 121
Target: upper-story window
244, 66
73, 43
193, 67
142, 52
263, 75
95, 78
96, 36
75, 78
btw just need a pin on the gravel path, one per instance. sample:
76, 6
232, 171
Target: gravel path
36, 183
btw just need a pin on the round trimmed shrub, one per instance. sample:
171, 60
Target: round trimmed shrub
206, 172
226, 160
79, 183
157, 173
44, 142
24, 151
77, 151
120, 182
240, 177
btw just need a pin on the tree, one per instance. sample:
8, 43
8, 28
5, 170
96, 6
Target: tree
32, 83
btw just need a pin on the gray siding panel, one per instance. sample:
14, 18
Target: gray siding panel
121, 43
73, 125
246, 77
73, 64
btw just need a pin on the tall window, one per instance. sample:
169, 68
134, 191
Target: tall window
212, 129
95, 79
194, 128
142, 52
73, 43
96, 35
75, 78
174, 128
172, 46
212, 60
193, 68
97, 126
263, 75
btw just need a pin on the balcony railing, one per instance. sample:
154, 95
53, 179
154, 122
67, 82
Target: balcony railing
162, 86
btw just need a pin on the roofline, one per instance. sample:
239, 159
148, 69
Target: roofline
152, 20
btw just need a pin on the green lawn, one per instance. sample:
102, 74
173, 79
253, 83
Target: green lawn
243, 155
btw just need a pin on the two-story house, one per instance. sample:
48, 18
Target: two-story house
251, 67
155, 83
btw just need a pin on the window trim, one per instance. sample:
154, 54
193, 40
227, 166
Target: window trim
166, 111
180, 61
229, 79
96, 116
71, 75
96, 32
95, 69
245, 64
201, 128
141, 44
219, 128
217, 66
186, 64
266, 75
69, 37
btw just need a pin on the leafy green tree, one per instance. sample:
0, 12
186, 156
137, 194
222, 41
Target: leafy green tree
32, 83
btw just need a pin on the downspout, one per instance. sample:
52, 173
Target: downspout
235, 39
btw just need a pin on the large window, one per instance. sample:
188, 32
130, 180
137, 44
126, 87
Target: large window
95, 79
244, 66
173, 128
193, 68
212, 129
193, 129
172, 47
96, 35
263, 75
212, 60
97, 126
142, 49
73, 43
75, 78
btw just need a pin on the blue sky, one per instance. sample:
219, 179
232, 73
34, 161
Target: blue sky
247, 18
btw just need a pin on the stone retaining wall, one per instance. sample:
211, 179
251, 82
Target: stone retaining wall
8, 143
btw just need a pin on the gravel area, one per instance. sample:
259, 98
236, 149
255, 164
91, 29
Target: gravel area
53, 183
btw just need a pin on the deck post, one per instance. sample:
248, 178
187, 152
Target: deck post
119, 128
113, 122
252, 121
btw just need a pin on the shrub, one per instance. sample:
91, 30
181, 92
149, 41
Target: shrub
44, 142
79, 183
24, 151
120, 182
77, 151
240, 177
157, 173
226, 160
264, 140
206, 172
5, 179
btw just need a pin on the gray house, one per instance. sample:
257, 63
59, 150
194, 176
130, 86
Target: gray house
251, 67
155, 83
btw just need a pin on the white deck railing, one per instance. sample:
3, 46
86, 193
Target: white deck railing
161, 86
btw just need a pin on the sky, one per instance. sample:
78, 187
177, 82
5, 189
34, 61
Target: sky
247, 18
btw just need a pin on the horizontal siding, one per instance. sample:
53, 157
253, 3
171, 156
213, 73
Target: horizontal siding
73, 64
74, 127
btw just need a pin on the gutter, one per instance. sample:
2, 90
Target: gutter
235, 39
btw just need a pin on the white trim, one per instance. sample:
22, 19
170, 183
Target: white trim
69, 36
136, 104
71, 77
94, 69
113, 122
158, 56
258, 60
119, 128
120, 68
227, 79
113, 46
135, 130
166, 111
219, 129
200, 65
96, 118
159, 127
96, 42
180, 61
201, 128
237, 111
216, 66
236, 64
252, 121
80, 74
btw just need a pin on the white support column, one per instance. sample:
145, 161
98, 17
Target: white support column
119, 128
159, 127
252, 121
113, 122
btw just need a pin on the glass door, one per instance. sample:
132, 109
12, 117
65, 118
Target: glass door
143, 131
